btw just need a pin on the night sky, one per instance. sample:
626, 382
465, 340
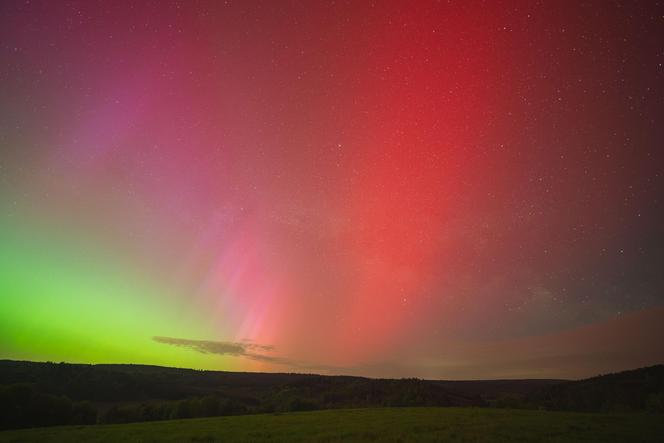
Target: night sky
432, 189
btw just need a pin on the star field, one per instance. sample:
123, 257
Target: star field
434, 189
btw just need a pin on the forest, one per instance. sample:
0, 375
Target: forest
46, 394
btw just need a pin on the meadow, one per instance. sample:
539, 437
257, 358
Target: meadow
375, 424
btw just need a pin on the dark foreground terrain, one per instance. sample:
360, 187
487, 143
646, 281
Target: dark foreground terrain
380, 424
51, 394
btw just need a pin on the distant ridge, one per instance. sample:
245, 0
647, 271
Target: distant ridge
43, 394
633, 390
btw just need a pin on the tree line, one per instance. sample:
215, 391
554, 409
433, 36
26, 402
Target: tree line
47, 394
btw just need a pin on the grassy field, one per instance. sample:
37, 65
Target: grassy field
388, 425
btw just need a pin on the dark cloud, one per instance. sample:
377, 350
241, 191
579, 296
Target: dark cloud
206, 346
244, 348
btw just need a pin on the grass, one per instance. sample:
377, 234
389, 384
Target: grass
384, 424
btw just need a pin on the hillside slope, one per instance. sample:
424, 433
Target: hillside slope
635, 390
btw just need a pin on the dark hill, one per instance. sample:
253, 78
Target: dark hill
635, 390
43, 394
126, 382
